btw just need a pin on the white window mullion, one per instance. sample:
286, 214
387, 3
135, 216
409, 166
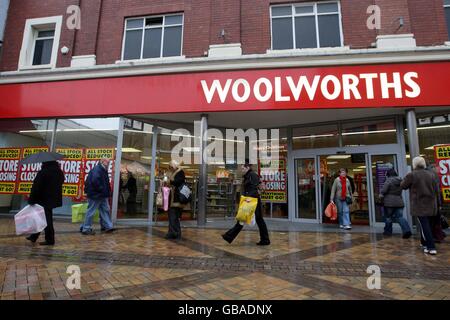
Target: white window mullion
294, 42
142, 41
162, 38
316, 15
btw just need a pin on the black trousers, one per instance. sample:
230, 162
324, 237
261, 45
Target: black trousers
426, 234
174, 223
49, 230
263, 232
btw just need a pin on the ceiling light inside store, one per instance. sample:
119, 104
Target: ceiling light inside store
409, 156
85, 129
361, 167
357, 170
137, 131
176, 135
434, 127
339, 156
314, 136
35, 131
129, 150
432, 147
332, 162
191, 149
367, 132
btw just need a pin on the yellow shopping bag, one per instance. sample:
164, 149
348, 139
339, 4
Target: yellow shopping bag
247, 208
79, 213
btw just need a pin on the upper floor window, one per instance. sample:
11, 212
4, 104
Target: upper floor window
40, 43
43, 47
306, 25
153, 37
447, 15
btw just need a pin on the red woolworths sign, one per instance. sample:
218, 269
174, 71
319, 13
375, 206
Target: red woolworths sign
365, 86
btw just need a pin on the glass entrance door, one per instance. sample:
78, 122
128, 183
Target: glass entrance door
356, 166
380, 165
305, 170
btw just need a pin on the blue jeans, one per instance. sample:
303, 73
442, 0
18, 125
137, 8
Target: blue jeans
395, 215
103, 207
343, 212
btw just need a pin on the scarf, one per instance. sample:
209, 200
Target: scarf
344, 187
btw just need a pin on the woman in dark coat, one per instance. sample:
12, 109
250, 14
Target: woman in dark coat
177, 179
250, 189
423, 194
47, 192
391, 193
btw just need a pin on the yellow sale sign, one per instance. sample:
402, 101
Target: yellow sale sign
442, 156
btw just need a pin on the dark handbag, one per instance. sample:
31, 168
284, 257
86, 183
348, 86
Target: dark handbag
185, 194
349, 200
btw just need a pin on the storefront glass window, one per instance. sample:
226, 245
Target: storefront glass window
135, 170
178, 138
85, 142
17, 139
369, 133
315, 137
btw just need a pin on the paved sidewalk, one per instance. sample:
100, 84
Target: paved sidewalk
138, 263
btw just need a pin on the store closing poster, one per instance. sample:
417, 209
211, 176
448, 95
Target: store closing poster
442, 155
273, 177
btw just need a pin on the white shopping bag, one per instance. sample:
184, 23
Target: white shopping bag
30, 219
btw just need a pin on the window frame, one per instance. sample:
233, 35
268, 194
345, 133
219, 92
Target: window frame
445, 16
30, 36
36, 38
314, 14
143, 28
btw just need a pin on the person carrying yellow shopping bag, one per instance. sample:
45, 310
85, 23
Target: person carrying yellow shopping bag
250, 190
247, 208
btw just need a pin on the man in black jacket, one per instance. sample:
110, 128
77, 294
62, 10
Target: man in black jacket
250, 189
47, 192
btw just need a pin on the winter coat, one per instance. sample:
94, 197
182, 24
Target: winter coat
423, 192
250, 184
177, 179
47, 186
97, 184
336, 189
392, 193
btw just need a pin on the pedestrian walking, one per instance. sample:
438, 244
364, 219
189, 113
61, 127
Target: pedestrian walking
341, 196
177, 179
423, 194
47, 192
98, 191
436, 221
391, 194
131, 186
250, 189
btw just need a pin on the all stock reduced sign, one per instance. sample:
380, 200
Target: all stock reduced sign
442, 155
76, 165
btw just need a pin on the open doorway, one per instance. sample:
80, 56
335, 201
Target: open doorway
356, 166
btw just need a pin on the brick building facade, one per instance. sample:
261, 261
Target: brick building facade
244, 22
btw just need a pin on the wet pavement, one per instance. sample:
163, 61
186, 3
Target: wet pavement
138, 263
